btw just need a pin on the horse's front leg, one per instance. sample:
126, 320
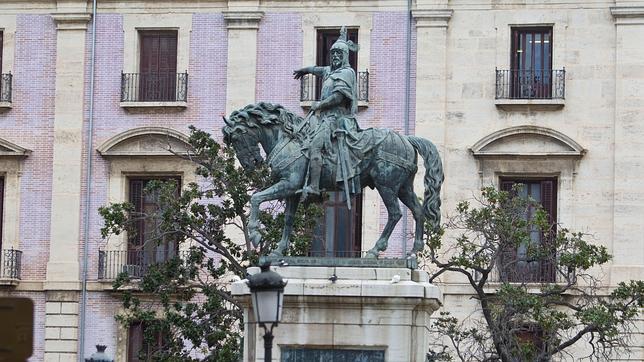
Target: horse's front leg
282, 189
289, 218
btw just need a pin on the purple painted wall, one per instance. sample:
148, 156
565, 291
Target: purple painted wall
206, 99
279, 53
30, 125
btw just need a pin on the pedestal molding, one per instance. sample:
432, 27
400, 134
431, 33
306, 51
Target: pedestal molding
71, 21
434, 18
243, 19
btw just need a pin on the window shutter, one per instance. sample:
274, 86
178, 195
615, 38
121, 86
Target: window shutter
1, 202
136, 199
549, 204
507, 185
548, 199
134, 341
1, 42
508, 259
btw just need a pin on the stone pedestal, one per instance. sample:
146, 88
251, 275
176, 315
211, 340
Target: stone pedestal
384, 311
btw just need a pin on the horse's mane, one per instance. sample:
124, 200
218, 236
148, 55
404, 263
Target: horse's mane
263, 114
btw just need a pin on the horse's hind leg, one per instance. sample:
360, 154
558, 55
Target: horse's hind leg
390, 198
289, 217
408, 197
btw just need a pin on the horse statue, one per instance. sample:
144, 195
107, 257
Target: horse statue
388, 164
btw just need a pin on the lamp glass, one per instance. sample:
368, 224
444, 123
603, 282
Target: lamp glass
267, 306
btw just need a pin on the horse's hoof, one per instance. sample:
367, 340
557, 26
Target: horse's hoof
371, 255
255, 238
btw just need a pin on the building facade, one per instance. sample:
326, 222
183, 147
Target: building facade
545, 93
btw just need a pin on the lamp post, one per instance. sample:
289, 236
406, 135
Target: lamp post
267, 294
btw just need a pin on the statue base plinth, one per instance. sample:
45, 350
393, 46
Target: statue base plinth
379, 313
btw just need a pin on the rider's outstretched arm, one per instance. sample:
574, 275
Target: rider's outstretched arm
319, 71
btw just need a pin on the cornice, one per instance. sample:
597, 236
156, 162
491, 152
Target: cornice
432, 18
236, 19
71, 21
627, 11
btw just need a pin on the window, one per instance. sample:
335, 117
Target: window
158, 66
1, 207
516, 265
1, 42
339, 234
531, 62
325, 40
138, 346
301, 354
143, 248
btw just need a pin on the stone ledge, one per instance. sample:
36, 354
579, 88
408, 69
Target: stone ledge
243, 19
357, 283
152, 106
529, 104
307, 104
5, 106
8, 282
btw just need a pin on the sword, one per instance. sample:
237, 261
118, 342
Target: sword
344, 169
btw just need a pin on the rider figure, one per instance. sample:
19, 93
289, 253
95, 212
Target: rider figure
336, 109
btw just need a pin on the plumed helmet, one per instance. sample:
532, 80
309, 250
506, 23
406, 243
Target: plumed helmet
345, 46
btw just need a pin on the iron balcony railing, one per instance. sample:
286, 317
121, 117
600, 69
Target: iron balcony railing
311, 87
5, 87
154, 87
135, 263
516, 270
530, 84
10, 262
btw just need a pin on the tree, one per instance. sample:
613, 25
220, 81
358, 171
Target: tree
535, 316
184, 302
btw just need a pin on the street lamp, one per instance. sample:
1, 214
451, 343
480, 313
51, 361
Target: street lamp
267, 294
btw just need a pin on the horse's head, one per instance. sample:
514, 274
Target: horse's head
244, 139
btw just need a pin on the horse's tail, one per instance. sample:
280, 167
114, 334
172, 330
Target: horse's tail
433, 179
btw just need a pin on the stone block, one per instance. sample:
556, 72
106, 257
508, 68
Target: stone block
52, 308
52, 357
62, 296
69, 333
56, 345
61, 320
52, 333
69, 308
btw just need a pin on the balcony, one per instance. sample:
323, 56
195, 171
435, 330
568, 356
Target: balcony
135, 263
5, 90
542, 271
311, 86
10, 261
543, 88
154, 90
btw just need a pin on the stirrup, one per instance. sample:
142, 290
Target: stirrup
308, 190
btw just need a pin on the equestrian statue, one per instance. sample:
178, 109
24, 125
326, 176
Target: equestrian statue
327, 150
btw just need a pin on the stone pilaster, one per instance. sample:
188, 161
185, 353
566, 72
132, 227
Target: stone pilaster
242, 24
431, 78
61, 326
63, 264
628, 206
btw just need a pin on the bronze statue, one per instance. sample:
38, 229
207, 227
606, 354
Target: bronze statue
328, 151
334, 116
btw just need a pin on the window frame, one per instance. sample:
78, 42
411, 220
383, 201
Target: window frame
132, 356
157, 85
546, 273
132, 257
538, 88
337, 202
